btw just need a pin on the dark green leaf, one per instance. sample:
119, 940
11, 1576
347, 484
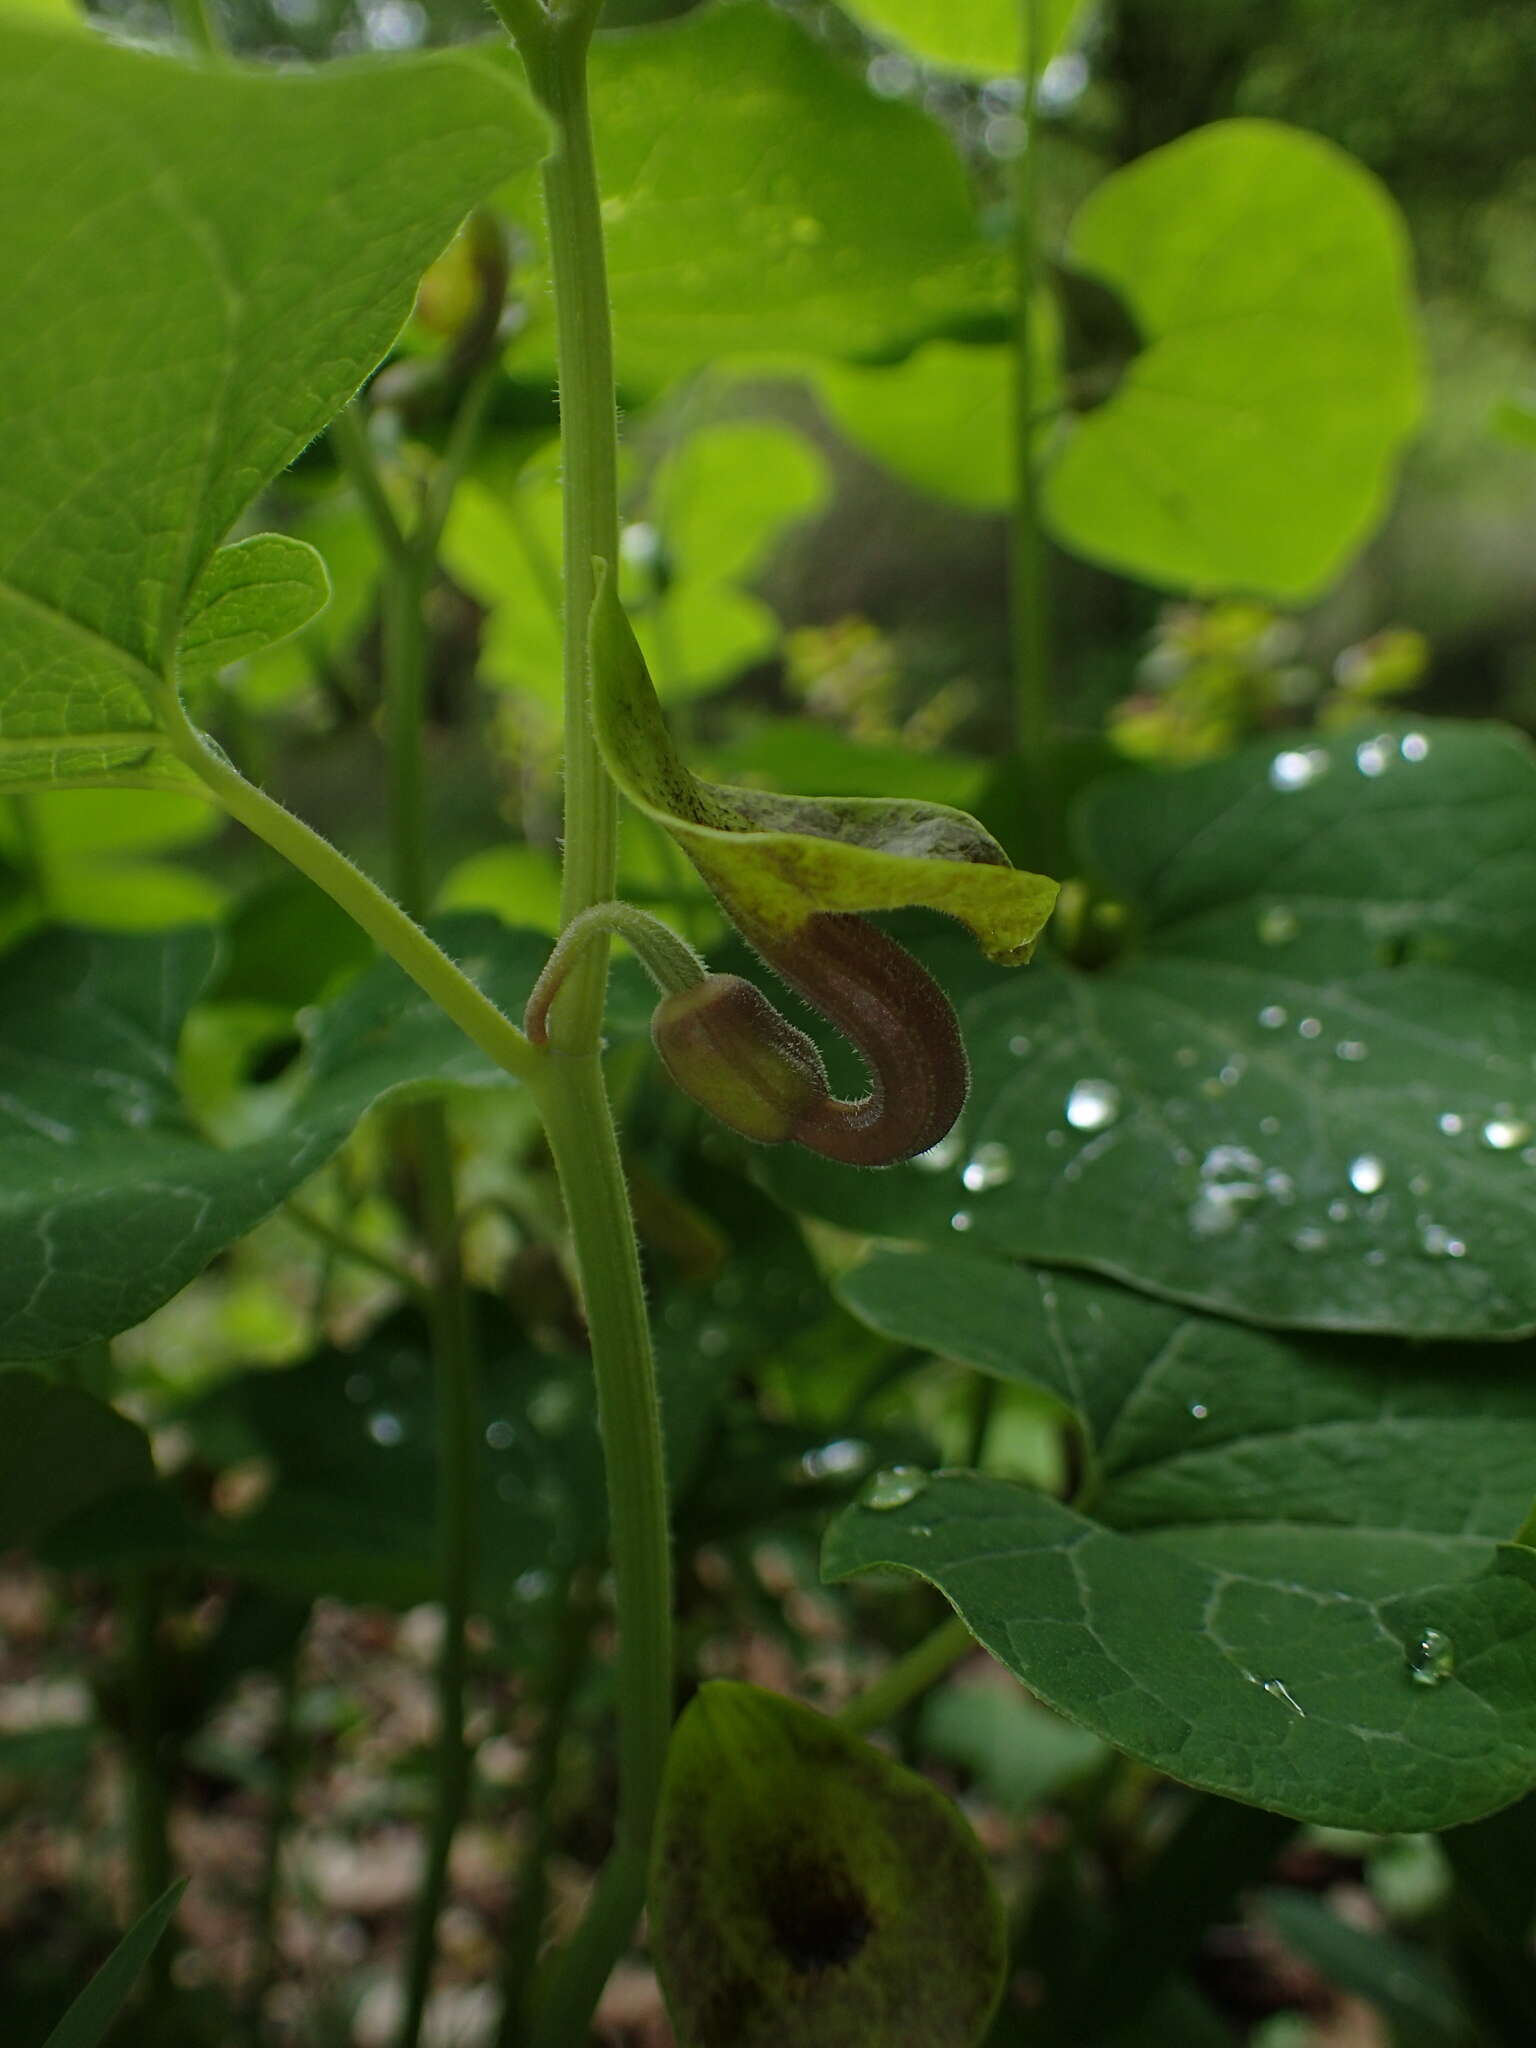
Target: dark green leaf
1407, 1987
807, 1889
89, 2019
60, 1449
1305, 1095
1283, 1579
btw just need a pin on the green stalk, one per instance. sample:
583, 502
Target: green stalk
285, 1752
355, 1252
908, 1678
1028, 600
570, 1089
148, 1806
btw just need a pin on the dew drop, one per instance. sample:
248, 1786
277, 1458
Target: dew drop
1092, 1105
1279, 1184
1375, 1256
1431, 1658
1277, 1691
1451, 1124
1278, 925
892, 1487
989, 1166
1338, 1211
1310, 1027
1296, 768
1310, 1239
961, 1220
1199, 1410
386, 1428
1269, 1125
500, 1435
1414, 746
1350, 1049
714, 1340
1272, 1016
1372, 756
1438, 1243
1366, 1174
1019, 1046
1504, 1133
839, 1459
1420, 1184
552, 1406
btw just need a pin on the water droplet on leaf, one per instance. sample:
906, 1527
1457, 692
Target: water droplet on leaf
989, 1166
1366, 1174
893, 1487
1431, 1658
1092, 1105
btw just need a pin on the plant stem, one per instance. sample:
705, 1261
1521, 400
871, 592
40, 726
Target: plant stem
455, 1377
356, 1253
151, 1846
195, 19
363, 900
285, 1751
1030, 621
530, 1891
571, 1091
908, 1678
581, 1135
349, 437
405, 687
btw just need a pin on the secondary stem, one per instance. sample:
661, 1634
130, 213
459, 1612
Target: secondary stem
1030, 627
909, 1677
147, 1787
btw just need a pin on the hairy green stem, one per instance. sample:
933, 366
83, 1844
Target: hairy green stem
670, 961
581, 1135
356, 1253
908, 1678
363, 900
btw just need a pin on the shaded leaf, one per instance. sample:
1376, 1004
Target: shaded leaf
90, 2018
1268, 1532
1251, 443
250, 595
1304, 1094
806, 1888
60, 1449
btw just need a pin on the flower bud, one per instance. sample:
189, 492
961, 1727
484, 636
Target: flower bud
727, 1047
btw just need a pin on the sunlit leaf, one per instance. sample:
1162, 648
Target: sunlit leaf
981, 36
1283, 1579
1252, 443
156, 378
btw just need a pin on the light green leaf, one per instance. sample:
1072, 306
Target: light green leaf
60, 1449
774, 861
1283, 1580
1304, 1095
90, 2018
1251, 444
110, 1198
758, 197
805, 1887
250, 595
985, 37
942, 420
186, 303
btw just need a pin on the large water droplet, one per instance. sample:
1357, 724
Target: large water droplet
1092, 1105
1372, 756
893, 1487
1414, 746
839, 1459
1431, 1658
1295, 768
1504, 1133
1451, 1124
1272, 1016
989, 1166
1366, 1174
1278, 925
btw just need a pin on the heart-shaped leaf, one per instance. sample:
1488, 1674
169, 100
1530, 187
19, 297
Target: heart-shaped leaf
985, 37
1283, 1579
806, 1888
1305, 1095
187, 299
1251, 443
